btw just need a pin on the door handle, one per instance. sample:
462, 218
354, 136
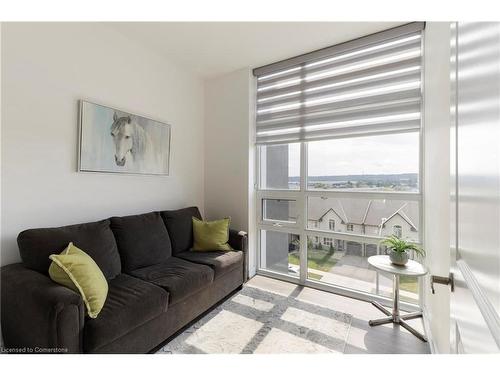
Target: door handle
450, 280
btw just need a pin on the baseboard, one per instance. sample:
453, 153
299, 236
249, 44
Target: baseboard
428, 331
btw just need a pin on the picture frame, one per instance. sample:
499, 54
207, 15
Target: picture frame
112, 140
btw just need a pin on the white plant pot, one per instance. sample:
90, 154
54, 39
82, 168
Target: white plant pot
397, 258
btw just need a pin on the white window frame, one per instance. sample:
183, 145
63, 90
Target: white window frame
262, 215
301, 229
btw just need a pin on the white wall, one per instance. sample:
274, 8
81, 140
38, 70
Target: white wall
46, 68
229, 160
436, 178
227, 132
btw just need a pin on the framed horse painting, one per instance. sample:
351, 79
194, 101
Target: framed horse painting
115, 141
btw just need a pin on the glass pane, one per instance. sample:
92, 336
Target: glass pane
374, 163
371, 217
344, 263
280, 167
279, 210
279, 252
408, 289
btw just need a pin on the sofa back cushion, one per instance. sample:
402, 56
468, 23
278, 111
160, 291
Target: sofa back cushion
35, 245
142, 240
180, 227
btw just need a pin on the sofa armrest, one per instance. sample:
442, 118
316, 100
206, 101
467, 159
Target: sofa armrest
39, 315
238, 240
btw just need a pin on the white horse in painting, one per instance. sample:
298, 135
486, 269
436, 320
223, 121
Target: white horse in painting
133, 145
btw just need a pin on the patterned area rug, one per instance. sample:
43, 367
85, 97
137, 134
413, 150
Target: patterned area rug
258, 321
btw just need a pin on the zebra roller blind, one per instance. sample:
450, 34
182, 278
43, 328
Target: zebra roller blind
371, 85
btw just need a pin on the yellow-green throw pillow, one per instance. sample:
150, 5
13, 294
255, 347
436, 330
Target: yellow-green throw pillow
211, 235
76, 270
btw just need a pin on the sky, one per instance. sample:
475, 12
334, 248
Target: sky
384, 154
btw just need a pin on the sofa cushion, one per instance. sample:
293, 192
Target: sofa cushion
180, 227
142, 240
35, 245
178, 276
211, 235
131, 302
220, 261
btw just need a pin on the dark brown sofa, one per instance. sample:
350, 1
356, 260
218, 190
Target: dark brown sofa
156, 284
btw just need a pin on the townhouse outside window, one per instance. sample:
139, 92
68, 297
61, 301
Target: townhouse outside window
338, 158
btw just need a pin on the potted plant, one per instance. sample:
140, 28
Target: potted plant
398, 249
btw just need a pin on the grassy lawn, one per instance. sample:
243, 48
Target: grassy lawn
313, 276
321, 260
408, 283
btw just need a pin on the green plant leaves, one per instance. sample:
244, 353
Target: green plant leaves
400, 245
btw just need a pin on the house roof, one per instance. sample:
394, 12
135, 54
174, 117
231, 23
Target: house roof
372, 212
317, 208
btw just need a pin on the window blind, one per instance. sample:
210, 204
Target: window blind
371, 85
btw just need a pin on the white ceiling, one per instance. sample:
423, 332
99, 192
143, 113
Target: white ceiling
210, 49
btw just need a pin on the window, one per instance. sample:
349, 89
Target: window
331, 224
279, 252
279, 167
279, 210
338, 134
397, 230
380, 163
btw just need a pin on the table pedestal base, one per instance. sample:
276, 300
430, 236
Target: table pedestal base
395, 317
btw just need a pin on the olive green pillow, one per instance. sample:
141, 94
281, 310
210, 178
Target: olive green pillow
76, 270
211, 235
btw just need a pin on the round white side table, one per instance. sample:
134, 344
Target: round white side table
412, 268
